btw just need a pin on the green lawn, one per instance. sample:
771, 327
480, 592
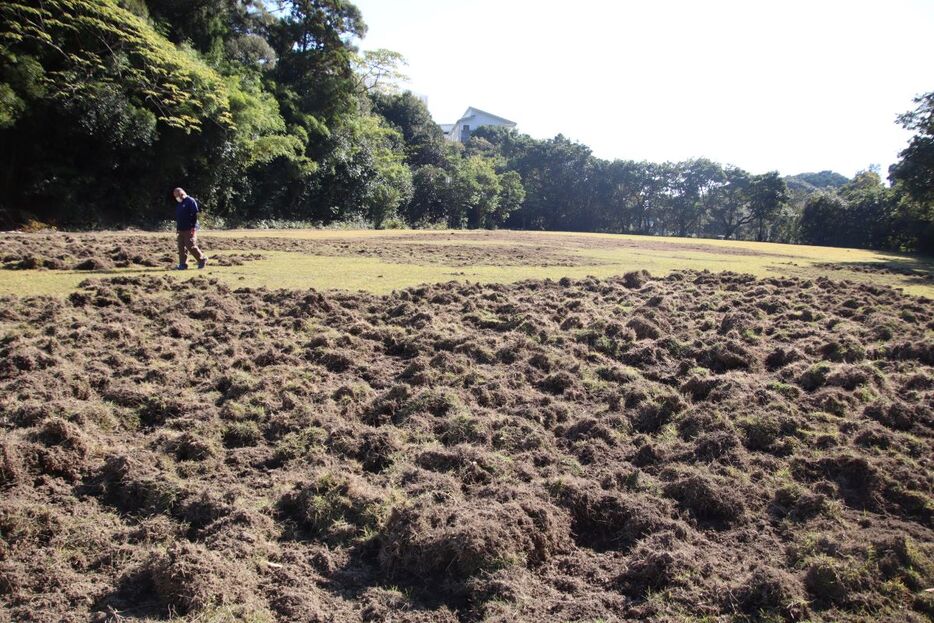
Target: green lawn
296, 270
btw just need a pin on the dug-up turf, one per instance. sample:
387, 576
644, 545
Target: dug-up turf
97, 252
103, 252
703, 447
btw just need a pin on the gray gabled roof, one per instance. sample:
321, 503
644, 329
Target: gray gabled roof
471, 109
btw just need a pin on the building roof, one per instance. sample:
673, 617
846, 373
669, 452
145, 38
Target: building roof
471, 111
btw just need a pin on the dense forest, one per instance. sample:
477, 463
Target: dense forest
270, 114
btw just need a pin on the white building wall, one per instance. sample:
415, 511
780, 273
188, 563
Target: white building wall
473, 119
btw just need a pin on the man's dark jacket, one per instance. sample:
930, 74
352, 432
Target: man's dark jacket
186, 214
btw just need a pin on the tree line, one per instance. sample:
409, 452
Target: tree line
569, 189
267, 112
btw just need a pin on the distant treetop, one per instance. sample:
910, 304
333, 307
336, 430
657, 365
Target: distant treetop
819, 180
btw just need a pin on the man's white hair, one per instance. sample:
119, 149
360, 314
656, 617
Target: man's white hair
179, 191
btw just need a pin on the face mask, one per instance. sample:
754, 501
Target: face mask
178, 199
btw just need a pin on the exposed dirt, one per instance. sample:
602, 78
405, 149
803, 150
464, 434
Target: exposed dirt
414, 251
60, 251
703, 446
96, 252
583, 241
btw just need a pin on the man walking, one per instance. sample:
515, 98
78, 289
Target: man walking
186, 224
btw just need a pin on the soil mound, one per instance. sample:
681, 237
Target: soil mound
189, 577
426, 542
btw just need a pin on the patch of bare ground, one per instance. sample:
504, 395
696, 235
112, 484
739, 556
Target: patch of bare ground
84, 251
702, 446
572, 241
454, 253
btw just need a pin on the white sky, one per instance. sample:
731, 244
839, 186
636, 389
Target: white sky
794, 85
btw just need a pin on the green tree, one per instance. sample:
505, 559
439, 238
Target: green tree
511, 196
558, 178
365, 175
820, 221
469, 193
768, 194
88, 77
507, 142
424, 141
647, 186
869, 217
732, 211
378, 71
693, 188
429, 197
915, 169
912, 223
473, 192
913, 179
314, 76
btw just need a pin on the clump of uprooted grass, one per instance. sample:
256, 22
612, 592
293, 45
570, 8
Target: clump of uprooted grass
659, 562
611, 520
190, 578
337, 506
707, 498
768, 592
425, 542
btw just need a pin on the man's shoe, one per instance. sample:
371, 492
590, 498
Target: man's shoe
201, 263
182, 267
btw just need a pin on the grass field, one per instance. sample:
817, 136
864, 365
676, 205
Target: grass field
315, 259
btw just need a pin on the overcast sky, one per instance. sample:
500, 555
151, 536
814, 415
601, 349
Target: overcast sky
793, 85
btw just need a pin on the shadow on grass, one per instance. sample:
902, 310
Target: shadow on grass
119, 271
360, 572
913, 270
133, 595
122, 272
